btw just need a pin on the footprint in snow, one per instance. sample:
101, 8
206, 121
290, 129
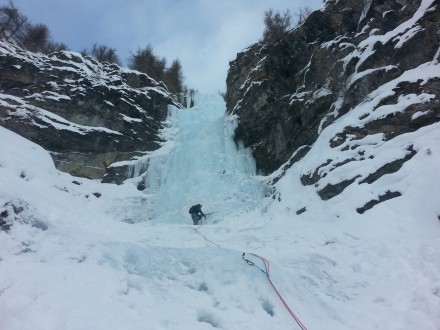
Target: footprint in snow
208, 317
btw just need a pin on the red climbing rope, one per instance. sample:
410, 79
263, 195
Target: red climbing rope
266, 271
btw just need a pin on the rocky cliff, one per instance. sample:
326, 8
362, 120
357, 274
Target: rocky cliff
87, 114
370, 67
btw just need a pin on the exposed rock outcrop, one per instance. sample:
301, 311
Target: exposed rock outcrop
377, 60
87, 114
18, 211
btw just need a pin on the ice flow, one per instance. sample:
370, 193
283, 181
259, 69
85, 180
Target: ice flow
201, 163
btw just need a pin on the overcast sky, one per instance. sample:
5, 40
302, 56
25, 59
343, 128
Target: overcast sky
203, 34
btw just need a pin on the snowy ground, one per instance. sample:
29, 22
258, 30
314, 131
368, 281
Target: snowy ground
132, 260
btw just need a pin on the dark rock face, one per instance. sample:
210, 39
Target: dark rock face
343, 56
88, 115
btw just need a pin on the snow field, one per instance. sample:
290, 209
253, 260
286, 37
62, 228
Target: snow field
131, 260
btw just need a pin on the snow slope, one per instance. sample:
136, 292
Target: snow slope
85, 255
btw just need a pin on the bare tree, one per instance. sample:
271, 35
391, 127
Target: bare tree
174, 77
160, 68
12, 22
53, 46
301, 16
36, 38
144, 60
85, 52
276, 25
103, 53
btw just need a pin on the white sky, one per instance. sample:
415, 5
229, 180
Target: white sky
204, 34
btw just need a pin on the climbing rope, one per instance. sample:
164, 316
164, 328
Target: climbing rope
266, 272
206, 239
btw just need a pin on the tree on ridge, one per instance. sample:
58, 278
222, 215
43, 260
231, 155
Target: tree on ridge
276, 25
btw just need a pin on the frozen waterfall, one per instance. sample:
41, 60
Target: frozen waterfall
200, 163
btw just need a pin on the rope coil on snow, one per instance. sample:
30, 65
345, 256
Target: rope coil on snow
266, 272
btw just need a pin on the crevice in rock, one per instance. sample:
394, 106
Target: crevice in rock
389, 168
332, 190
382, 198
310, 179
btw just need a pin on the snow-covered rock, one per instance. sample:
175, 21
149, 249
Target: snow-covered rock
355, 74
87, 114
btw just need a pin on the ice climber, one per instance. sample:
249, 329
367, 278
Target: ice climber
196, 213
